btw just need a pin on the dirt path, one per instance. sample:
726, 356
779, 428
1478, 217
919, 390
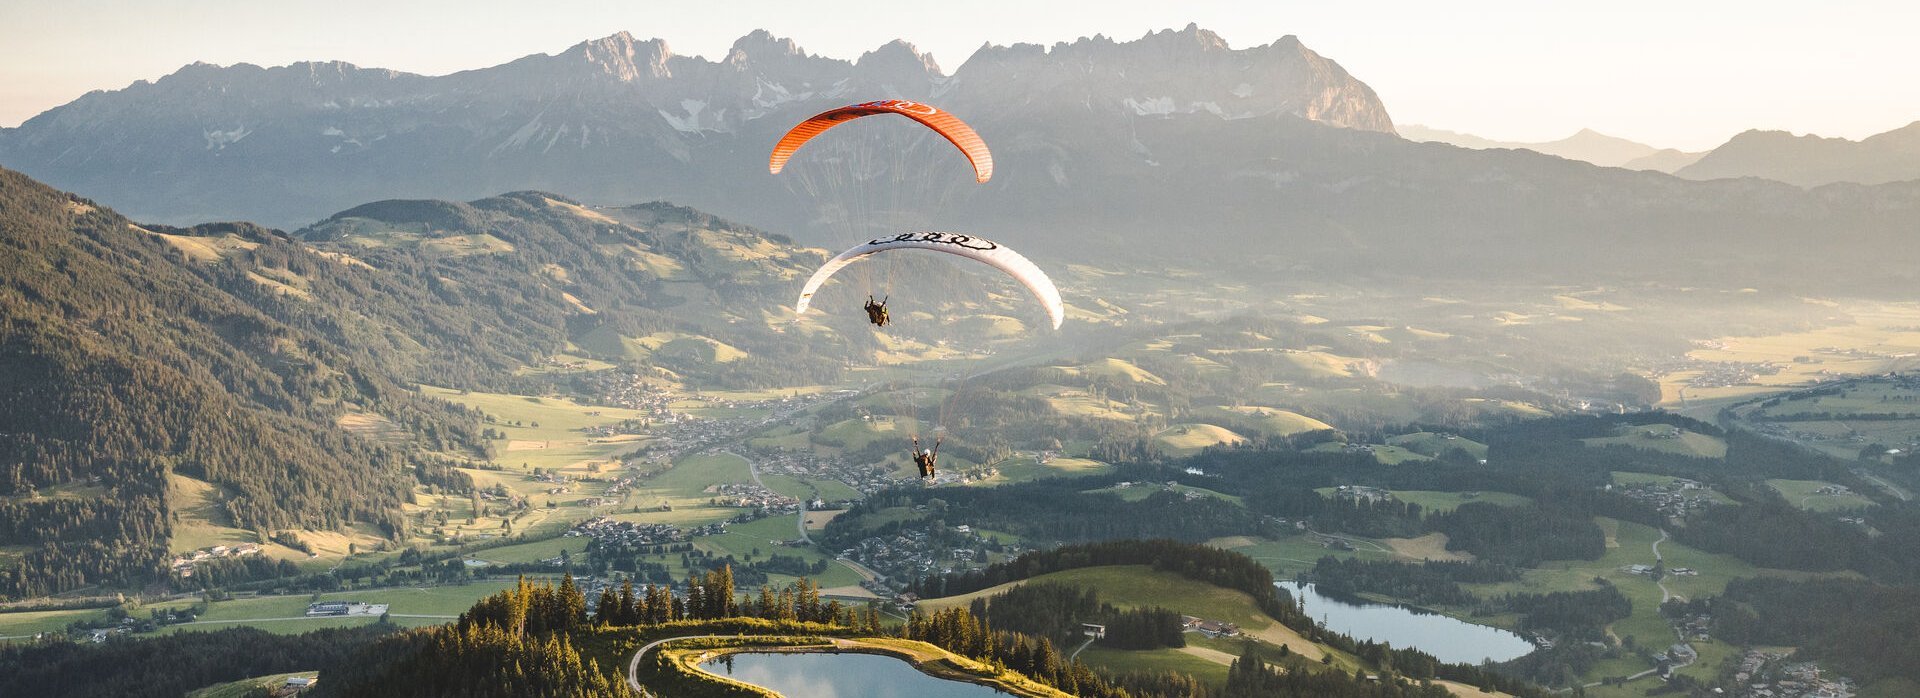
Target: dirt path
1209, 654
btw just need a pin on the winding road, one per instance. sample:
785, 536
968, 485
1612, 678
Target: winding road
1664, 597
1888, 486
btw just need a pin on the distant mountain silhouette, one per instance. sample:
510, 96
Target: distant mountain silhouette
1587, 145
1811, 161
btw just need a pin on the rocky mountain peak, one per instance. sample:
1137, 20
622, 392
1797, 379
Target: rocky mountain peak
760, 46
898, 60
1191, 36
623, 57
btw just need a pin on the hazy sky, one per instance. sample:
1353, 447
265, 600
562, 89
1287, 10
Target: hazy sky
1673, 73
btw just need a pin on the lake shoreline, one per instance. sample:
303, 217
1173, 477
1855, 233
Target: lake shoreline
1435, 632
929, 660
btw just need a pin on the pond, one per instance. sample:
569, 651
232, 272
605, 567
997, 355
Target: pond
1447, 638
848, 675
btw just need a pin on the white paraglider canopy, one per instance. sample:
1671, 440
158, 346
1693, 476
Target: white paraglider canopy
974, 248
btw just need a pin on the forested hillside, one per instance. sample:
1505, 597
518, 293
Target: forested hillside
124, 360
234, 354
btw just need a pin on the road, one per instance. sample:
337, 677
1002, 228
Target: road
1076, 650
1664, 597
1888, 486
1664, 594
753, 468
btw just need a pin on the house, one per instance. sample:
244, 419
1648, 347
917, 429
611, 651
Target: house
327, 608
1214, 628
1093, 630
294, 685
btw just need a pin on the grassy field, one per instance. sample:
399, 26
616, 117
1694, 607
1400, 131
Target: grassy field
1188, 439
1117, 369
1427, 443
1140, 586
1840, 434
1266, 420
1433, 502
534, 551
1886, 330
1289, 556
1024, 468
1143, 490
1627, 544
402, 601
1655, 438
1805, 494
1205, 669
1383, 453
765, 535
25, 624
806, 489
855, 434
544, 432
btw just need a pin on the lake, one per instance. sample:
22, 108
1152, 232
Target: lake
849, 675
1447, 638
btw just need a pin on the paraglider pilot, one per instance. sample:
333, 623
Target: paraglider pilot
877, 312
926, 457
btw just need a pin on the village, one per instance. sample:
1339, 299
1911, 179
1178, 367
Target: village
607, 531
1676, 498
1764, 674
864, 478
751, 496
914, 553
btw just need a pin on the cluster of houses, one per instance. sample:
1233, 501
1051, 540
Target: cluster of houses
620, 428
1362, 494
1767, 675
183, 563
609, 531
618, 487
1675, 498
750, 496
1721, 374
1696, 627
865, 478
1678, 655
626, 389
920, 551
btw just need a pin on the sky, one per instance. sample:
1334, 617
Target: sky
1670, 73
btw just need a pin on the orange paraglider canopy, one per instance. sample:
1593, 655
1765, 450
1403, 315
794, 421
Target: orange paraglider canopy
943, 123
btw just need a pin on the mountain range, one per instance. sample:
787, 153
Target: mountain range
1170, 146
615, 118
